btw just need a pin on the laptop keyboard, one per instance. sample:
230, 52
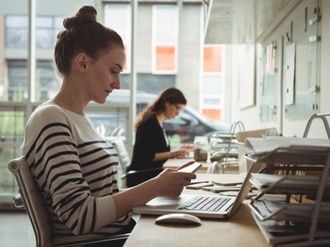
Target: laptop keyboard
203, 203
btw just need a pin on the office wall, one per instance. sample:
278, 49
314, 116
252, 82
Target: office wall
189, 61
144, 39
288, 126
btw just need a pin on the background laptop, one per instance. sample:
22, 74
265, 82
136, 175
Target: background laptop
183, 204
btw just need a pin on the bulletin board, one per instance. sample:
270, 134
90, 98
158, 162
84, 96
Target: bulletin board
301, 66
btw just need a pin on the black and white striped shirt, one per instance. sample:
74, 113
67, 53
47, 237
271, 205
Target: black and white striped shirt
76, 171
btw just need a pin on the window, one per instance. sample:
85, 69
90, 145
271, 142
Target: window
11, 137
159, 70
17, 31
165, 39
46, 84
46, 32
118, 18
14, 72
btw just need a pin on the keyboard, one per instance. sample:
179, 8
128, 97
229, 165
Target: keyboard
205, 203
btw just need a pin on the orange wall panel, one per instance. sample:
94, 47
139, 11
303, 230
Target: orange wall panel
214, 114
212, 59
165, 58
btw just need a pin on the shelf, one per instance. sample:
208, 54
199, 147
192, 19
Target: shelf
293, 167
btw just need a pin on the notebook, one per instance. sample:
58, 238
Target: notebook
220, 207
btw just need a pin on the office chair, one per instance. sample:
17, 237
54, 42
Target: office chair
124, 159
132, 177
30, 195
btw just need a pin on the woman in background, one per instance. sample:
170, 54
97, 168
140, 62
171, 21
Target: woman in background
152, 147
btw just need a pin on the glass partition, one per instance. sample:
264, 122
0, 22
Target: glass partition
303, 34
11, 137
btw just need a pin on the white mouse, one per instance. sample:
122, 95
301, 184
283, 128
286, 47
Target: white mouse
178, 218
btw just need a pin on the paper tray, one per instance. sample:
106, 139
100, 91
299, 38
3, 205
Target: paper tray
280, 233
294, 184
294, 212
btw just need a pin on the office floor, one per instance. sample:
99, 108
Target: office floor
16, 230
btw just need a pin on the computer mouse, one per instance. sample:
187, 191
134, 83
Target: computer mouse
178, 218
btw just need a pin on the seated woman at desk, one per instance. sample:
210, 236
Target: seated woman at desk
74, 167
152, 147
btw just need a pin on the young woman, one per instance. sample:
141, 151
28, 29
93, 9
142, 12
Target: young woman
152, 148
73, 166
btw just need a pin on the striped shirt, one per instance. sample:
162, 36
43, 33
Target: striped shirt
76, 171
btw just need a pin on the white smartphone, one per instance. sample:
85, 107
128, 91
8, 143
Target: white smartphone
235, 193
218, 189
198, 186
191, 168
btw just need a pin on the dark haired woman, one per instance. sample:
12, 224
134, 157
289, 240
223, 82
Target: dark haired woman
74, 167
152, 147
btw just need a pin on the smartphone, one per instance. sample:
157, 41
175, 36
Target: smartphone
217, 189
228, 183
235, 193
191, 168
198, 186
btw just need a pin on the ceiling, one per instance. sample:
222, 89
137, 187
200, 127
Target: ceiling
241, 21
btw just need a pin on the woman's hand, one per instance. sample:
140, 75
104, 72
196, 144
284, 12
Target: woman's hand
168, 183
182, 151
188, 147
171, 182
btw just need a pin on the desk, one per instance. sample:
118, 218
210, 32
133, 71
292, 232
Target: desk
239, 230
175, 163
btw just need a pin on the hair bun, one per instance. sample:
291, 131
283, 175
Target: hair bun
84, 15
87, 13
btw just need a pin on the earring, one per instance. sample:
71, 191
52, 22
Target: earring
82, 74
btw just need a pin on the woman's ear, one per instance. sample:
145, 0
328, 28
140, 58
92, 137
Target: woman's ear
80, 62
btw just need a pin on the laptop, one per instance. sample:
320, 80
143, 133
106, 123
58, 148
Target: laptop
203, 206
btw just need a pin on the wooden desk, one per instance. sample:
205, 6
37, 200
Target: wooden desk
175, 163
239, 230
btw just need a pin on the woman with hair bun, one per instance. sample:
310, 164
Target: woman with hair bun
73, 166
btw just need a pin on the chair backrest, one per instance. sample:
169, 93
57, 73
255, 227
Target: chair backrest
39, 215
33, 201
123, 155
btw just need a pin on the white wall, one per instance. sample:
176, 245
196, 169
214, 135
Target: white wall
288, 127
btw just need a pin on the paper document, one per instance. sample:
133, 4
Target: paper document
258, 146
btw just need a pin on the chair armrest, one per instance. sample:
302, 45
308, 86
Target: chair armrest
18, 201
135, 172
144, 170
135, 177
